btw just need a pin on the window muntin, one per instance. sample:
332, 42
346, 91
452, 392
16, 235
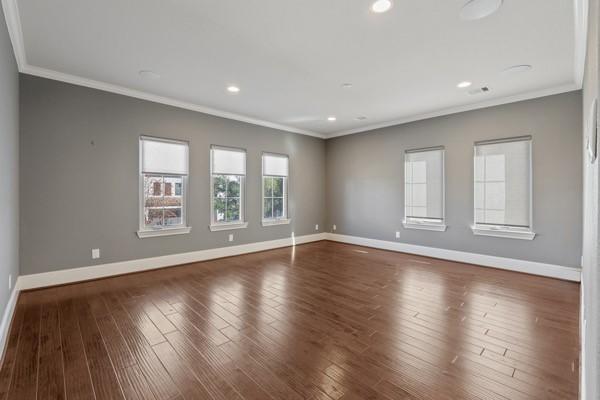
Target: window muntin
275, 182
163, 165
502, 187
424, 186
228, 174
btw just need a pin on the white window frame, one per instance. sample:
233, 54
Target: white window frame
426, 223
181, 229
280, 220
225, 226
504, 231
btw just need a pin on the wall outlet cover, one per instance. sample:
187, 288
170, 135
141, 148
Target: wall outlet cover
316, 227
397, 235
334, 227
95, 253
231, 237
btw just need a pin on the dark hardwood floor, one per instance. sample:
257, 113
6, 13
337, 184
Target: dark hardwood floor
318, 321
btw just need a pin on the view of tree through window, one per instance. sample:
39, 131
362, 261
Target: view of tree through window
227, 198
274, 189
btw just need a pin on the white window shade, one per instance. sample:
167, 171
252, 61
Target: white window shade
503, 183
228, 161
275, 165
424, 184
164, 157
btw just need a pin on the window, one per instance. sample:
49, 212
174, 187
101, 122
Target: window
424, 189
275, 184
503, 188
227, 176
163, 165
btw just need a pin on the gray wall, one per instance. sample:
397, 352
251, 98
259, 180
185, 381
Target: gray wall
9, 164
365, 176
77, 196
590, 276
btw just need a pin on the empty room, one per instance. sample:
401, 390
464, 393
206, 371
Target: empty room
320, 200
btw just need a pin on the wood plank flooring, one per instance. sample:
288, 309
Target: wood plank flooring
322, 321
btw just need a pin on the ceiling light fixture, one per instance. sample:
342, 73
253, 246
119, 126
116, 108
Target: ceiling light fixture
464, 84
331, 119
233, 89
515, 69
145, 73
381, 6
477, 9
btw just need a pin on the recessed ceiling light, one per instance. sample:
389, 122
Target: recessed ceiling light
332, 118
145, 73
464, 84
361, 118
515, 69
477, 9
233, 89
381, 6
346, 85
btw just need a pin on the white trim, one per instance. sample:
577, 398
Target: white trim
138, 94
511, 264
581, 33
271, 222
227, 227
13, 22
124, 267
163, 232
424, 226
503, 233
7, 317
582, 342
569, 87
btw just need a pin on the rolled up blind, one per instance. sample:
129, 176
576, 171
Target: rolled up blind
503, 182
275, 165
424, 183
164, 156
228, 161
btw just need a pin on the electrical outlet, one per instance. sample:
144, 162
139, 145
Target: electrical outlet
9, 282
95, 253
316, 227
231, 237
334, 227
397, 235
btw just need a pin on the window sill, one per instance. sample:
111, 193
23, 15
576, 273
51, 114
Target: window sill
424, 226
163, 232
227, 227
271, 222
503, 233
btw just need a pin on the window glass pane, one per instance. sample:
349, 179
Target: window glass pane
268, 208
424, 184
233, 209
154, 216
168, 189
277, 187
220, 205
156, 188
178, 189
268, 189
233, 186
173, 216
278, 207
220, 186
502, 183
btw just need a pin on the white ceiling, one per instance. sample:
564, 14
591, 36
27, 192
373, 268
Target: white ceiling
290, 57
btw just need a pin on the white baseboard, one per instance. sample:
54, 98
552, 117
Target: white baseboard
511, 264
123, 267
7, 318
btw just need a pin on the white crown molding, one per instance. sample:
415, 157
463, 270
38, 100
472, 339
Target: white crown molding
510, 264
569, 87
11, 12
138, 94
63, 276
